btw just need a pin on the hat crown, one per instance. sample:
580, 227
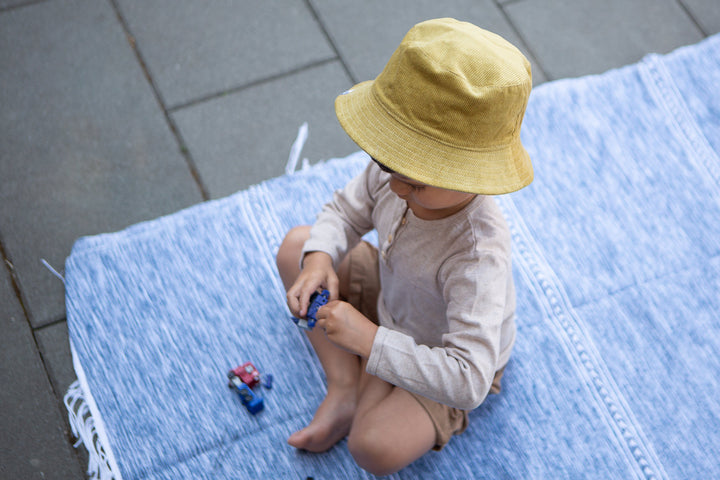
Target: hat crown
456, 83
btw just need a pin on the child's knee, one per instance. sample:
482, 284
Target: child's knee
292, 245
371, 452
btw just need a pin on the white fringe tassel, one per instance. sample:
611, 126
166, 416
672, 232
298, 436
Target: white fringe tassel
83, 428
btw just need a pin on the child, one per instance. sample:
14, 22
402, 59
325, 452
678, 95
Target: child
417, 332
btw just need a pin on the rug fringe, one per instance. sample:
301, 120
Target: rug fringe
83, 428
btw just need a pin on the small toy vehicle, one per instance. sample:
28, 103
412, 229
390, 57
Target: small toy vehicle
252, 402
317, 300
248, 374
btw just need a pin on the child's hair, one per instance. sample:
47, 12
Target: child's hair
382, 166
446, 109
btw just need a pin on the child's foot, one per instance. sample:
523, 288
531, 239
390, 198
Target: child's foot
330, 424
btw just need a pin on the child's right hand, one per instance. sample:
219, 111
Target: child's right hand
317, 273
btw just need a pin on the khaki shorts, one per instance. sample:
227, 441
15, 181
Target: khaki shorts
364, 288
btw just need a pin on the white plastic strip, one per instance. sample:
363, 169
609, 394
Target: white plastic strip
296, 149
52, 270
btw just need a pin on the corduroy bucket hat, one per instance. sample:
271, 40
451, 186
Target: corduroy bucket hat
446, 110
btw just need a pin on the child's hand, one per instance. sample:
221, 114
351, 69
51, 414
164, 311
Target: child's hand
347, 327
317, 272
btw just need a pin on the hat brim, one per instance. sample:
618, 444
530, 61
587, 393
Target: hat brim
489, 171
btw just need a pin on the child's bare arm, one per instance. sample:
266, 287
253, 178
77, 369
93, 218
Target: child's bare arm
317, 272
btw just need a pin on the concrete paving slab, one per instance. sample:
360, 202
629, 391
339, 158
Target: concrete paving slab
86, 147
34, 441
366, 33
706, 13
243, 138
194, 49
577, 37
4, 4
54, 347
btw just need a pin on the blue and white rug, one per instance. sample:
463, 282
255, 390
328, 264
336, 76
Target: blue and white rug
617, 261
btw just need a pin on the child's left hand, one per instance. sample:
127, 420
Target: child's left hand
347, 327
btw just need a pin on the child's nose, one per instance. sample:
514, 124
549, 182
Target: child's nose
399, 187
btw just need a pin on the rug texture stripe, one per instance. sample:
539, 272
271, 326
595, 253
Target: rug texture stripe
617, 266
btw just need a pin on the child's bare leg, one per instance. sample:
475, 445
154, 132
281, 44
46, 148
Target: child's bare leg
391, 429
333, 417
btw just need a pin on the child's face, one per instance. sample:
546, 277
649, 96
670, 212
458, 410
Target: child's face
428, 202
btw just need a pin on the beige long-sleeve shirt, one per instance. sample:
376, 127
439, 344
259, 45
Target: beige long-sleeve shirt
447, 301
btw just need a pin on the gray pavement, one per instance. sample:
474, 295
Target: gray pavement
117, 111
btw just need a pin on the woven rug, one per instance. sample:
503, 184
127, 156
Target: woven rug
617, 263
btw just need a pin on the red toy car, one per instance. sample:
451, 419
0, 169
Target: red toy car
247, 373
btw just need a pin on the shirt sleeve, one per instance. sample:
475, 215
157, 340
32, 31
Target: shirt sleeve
459, 372
343, 221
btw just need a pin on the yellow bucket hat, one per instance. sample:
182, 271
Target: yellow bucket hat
446, 109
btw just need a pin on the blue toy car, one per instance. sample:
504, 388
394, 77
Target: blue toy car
317, 300
252, 402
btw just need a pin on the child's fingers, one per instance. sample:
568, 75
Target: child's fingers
293, 302
304, 298
310, 281
298, 299
322, 312
333, 286
323, 318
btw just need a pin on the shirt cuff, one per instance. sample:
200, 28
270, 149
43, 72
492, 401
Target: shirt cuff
376, 351
312, 245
